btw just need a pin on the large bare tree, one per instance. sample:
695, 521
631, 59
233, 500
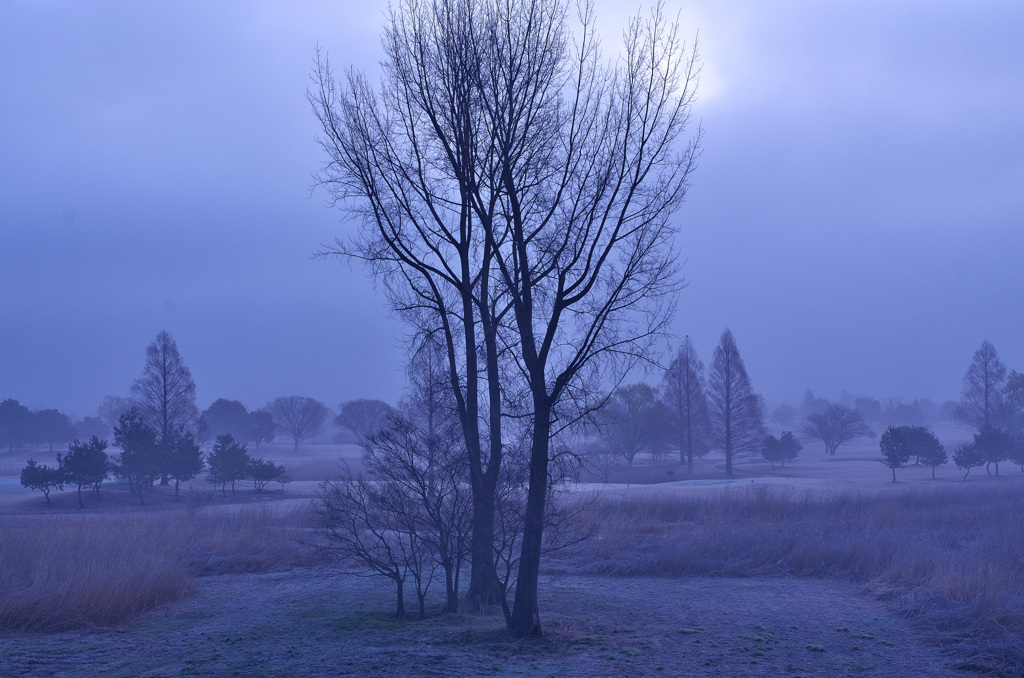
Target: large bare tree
983, 383
165, 394
737, 424
405, 160
683, 393
298, 417
517, 192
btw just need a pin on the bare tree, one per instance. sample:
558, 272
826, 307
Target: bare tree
431, 471
589, 173
683, 393
361, 419
297, 417
353, 516
111, 408
404, 161
165, 395
983, 382
632, 421
518, 193
733, 408
834, 426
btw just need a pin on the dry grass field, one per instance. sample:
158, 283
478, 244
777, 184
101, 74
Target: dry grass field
824, 568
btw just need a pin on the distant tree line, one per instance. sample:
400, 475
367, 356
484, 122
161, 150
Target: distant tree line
159, 432
21, 427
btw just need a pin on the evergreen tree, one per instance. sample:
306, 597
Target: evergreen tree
227, 462
895, 447
138, 462
184, 459
85, 464
41, 477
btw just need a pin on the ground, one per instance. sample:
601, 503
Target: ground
312, 622
304, 623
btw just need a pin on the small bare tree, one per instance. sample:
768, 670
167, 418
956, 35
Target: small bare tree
835, 426
358, 521
429, 468
362, 418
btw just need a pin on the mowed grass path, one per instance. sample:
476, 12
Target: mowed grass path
304, 623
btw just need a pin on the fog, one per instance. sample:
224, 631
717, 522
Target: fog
855, 219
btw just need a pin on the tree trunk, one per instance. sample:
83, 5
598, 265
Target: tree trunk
400, 609
81, 504
484, 587
175, 489
525, 619
451, 589
894, 474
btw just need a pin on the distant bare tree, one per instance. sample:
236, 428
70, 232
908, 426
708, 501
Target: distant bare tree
111, 408
983, 382
734, 410
362, 419
632, 421
835, 426
297, 417
683, 393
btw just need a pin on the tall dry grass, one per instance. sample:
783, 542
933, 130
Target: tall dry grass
954, 556
66, 571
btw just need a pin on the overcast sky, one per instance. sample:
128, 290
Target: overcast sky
857, 218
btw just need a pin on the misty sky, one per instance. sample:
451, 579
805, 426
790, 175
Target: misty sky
857, 218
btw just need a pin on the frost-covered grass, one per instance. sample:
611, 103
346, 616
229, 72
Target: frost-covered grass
66, 571
952, 554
